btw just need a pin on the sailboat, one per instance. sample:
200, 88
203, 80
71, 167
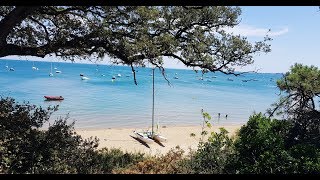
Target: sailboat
143, 136
154, 135
7, 67
50, 74
34, 67
57, 71
176, 76
83, 77
150, 136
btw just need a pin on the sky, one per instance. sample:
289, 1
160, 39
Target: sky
295, 31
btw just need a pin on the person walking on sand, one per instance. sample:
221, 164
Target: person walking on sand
226, 116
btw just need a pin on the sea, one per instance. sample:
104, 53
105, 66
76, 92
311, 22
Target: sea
103, 102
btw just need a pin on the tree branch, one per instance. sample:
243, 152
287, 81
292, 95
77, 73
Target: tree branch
15, 17
11, 49
43, 26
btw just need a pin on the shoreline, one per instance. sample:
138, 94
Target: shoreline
124, 138
138, 127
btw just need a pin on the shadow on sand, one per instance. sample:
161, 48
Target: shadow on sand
159, 143
143, 143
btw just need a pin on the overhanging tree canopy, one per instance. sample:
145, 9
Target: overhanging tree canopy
133, 36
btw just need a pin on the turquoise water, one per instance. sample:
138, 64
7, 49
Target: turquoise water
102, 103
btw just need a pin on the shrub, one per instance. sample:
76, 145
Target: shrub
212, 155
165, 164
261, 149
25, 148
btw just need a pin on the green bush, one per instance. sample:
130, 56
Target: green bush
111, 159
261, 149
211, 156
25, 148
165, 164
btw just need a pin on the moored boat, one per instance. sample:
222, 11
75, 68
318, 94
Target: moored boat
54, 98
84, 78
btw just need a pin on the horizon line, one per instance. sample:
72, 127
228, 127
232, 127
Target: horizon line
93, 63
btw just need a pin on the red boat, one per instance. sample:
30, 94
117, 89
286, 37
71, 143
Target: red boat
54, 98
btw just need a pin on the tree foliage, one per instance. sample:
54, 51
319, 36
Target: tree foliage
134, 36
211, 156
301, 87
261, 148
290, 145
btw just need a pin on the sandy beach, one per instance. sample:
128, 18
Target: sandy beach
124, 138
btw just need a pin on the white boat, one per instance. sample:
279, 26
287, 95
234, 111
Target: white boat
143, 136
154, 135
84, 78
159, 138
150, 136
7, 67
119, 75
176, 77
11, 69
34, 67
51, 74
58, 71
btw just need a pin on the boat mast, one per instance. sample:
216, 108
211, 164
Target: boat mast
152, 100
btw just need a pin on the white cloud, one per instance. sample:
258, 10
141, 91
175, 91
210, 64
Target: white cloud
246, 30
